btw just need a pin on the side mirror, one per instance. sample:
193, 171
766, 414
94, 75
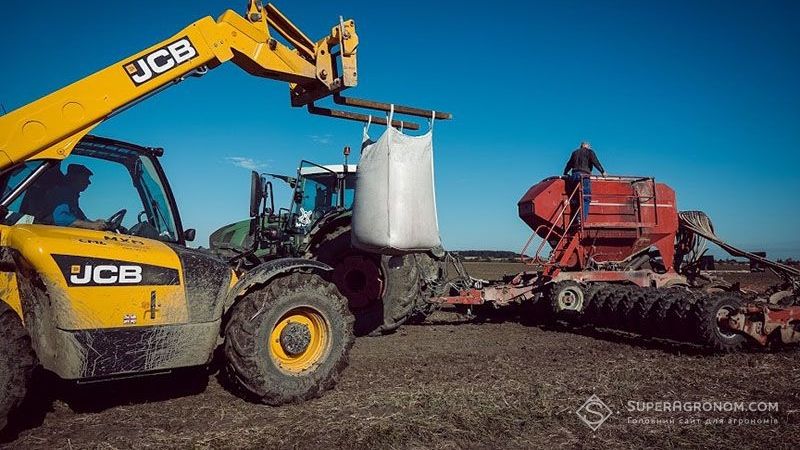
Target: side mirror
189, 235
256, 193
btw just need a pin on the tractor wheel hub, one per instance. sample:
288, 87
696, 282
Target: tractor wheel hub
295, 338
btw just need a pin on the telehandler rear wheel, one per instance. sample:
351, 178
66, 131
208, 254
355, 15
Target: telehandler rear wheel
16, 362
288, 341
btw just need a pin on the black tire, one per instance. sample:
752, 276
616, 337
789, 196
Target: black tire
656, 323
597, 297
703, 319
639, 315
251, 363
401, 290
607, 313
17, 361
632, 295
400, 279
680, 328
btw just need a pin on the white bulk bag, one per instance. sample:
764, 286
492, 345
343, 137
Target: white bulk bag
394, 208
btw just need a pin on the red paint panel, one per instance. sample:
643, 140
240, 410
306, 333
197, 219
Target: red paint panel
626, 215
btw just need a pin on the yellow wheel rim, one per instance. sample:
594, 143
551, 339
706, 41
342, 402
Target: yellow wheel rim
299, 340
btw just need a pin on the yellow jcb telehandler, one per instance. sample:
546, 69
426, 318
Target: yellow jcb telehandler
98, 299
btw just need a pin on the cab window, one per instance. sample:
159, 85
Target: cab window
94, 183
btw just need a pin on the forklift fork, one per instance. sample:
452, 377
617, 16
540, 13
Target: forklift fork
378, 106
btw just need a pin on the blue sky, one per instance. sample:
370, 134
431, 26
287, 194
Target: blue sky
702, 95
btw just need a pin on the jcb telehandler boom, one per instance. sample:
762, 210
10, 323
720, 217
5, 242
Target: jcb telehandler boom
50, 127
133, 299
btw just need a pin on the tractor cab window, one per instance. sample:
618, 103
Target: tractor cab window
157, 209
319, 195
99, 186
317, 192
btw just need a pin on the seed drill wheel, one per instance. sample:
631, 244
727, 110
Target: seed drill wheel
289, 340
567, 298
607, 311
632, 296
709, 315
16, 362
677, 318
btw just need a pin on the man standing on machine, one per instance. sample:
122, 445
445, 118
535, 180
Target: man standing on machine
581, 163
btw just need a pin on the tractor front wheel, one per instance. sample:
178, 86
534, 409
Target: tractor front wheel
289, 340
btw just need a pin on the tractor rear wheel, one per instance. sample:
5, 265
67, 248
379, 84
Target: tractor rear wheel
16, 362
381, 290
289, 340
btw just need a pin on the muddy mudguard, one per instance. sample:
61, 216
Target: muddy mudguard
270, 270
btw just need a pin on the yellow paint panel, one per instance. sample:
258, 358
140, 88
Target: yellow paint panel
105, 306
9, 292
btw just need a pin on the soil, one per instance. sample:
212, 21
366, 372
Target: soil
449, 383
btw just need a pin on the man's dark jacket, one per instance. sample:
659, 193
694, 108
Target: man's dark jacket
581, 161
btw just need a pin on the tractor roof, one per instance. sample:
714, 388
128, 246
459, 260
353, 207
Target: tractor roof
338, 168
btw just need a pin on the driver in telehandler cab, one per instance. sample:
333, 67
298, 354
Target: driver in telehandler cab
65, 210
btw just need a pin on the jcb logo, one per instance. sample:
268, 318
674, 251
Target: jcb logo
105, 275
161, 60
89, 272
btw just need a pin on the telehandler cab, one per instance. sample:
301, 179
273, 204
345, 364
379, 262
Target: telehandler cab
132, 299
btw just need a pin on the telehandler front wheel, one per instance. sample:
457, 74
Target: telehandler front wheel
16, 362
289, 340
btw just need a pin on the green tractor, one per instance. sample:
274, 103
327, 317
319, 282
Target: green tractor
383, 290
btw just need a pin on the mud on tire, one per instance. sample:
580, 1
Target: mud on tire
641, 311
632, 295
16, 362
607, 312
680, 329
596, 297
262, 372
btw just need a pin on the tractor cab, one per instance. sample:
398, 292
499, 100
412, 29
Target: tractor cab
319, 193
319, 190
